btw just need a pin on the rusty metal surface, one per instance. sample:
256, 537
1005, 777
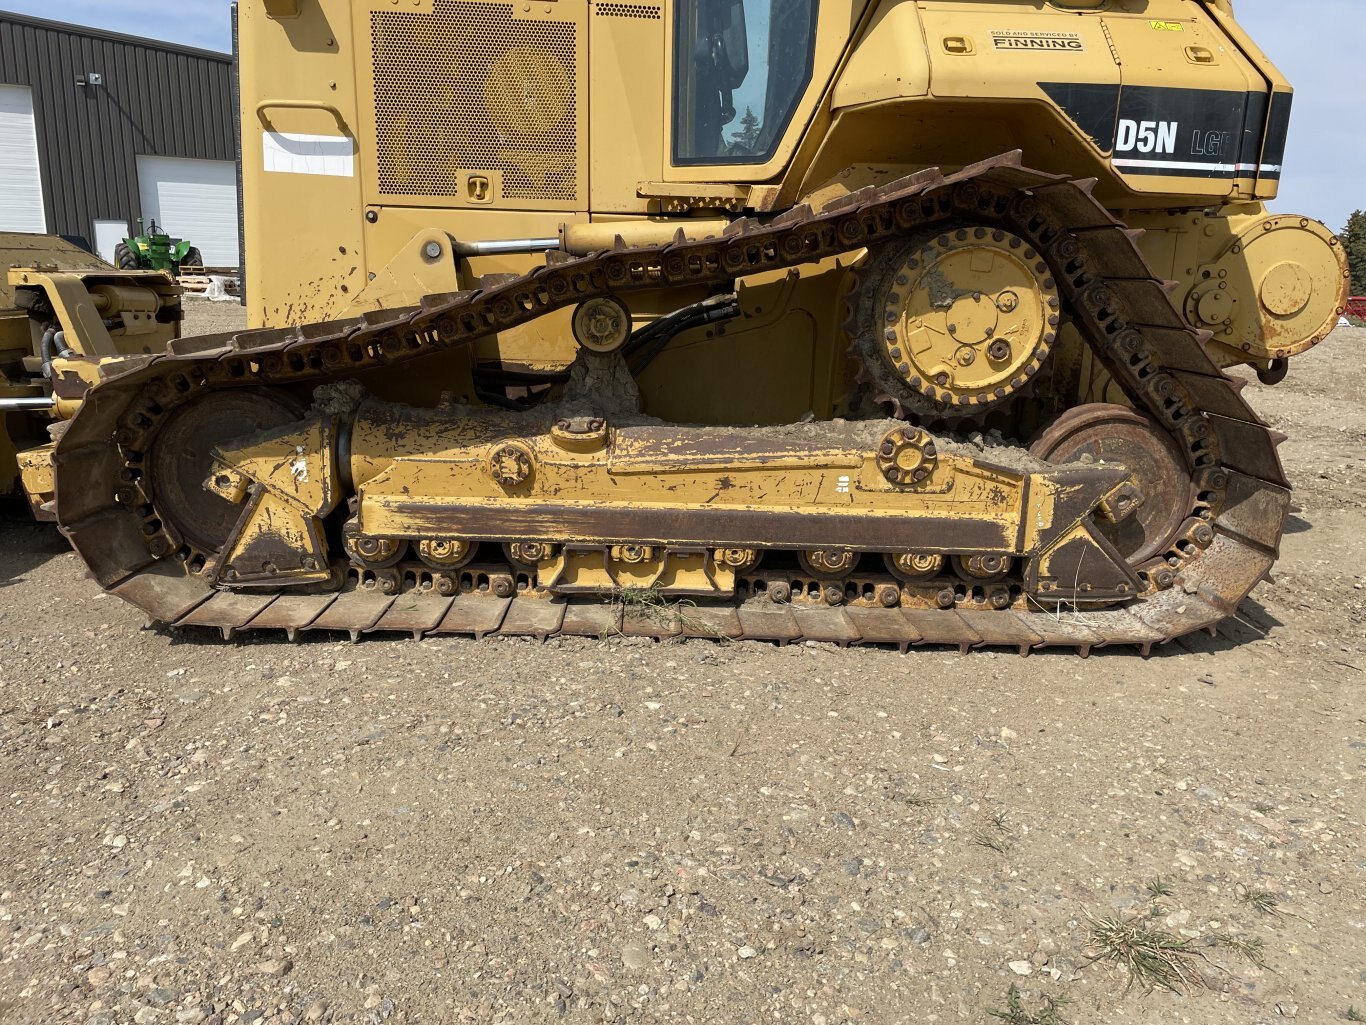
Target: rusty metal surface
1103, 433
107, 505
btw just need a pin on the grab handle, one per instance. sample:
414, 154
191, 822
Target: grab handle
266, 105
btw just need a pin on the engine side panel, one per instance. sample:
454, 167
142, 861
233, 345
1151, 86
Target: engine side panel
1165, 102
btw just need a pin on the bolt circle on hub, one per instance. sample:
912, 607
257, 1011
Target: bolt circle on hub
511, 465
912, 566
982, 567
828, 562
739, 559
531, 553
372, 552
445, 553
965, 318
907, 456
602, 324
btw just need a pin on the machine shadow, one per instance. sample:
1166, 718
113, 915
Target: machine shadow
25, 544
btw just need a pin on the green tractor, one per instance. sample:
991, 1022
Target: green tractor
156, 250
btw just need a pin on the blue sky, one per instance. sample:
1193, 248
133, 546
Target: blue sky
1317, 45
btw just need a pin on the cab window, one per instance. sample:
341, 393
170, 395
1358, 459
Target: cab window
740, 67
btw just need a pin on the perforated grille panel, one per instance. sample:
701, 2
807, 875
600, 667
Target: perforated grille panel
628, 11
469, 87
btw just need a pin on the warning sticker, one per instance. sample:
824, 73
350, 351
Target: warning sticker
1167, 26
1022, 39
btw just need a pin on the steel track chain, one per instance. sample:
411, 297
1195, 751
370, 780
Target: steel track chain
107, 507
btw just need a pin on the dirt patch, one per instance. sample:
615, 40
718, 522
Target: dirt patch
582, 831
211, 317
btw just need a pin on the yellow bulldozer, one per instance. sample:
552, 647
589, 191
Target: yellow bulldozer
860, 321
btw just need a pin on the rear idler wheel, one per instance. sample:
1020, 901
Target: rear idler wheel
1147, 521
181, 457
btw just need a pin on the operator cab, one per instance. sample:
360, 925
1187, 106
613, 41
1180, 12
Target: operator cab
740, 68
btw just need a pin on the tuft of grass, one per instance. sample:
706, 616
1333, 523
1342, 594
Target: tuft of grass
653, 606
1354, 1015
1263, 901
1160, 888
1153, 957
1262, 808
1016, 1013
1250, 948
1157, 959
997, 836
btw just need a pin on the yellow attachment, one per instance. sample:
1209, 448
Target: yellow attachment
651, 505
85, 300
582, 239
424, 266
675, 571
969, 316
1276, 288
35, 469
288, 480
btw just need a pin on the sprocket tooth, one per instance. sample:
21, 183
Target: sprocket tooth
892, 403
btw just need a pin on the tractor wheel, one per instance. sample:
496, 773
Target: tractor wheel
125, 258
193, 258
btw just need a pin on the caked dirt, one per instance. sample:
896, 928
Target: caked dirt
619, 831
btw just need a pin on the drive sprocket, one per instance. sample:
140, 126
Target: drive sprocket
948, 324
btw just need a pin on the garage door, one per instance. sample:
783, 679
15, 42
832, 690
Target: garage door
21, 187
193, 199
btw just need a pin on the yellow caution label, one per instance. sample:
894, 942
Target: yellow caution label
1167, 26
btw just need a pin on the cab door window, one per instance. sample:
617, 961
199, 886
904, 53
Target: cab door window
740, 67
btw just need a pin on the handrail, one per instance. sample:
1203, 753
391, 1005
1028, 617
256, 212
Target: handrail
266, 105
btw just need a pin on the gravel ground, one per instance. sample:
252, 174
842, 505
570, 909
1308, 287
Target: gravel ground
578, 831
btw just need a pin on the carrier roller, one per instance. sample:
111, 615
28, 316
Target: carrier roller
493, 526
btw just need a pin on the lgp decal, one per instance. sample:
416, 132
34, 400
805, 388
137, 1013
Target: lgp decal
1197, 133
